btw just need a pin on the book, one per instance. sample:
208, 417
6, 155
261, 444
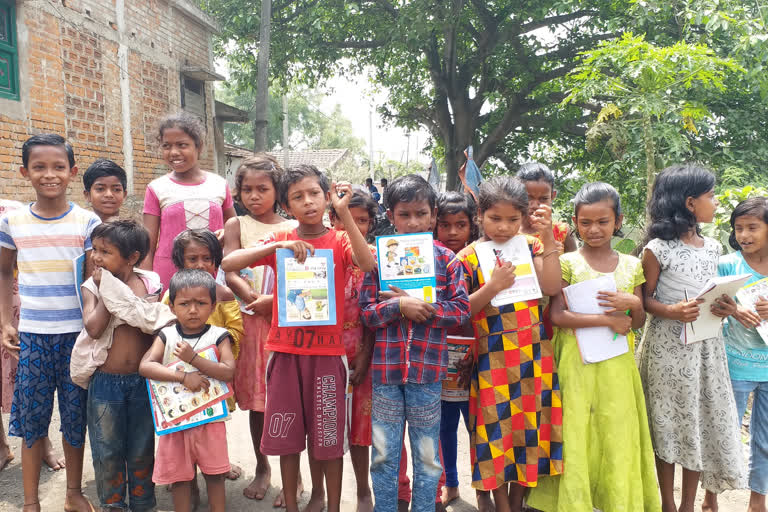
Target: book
516, 251
175, 407
305, 291
408, 262
708, 325
78, 270
595, 343
748, 296
458, 346
260, 279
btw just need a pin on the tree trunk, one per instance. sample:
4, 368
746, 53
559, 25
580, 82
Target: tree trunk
650, 166
261, 109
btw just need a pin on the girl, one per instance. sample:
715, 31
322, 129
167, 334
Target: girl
514, 405
359, 344
540, 185
747, 352
456, 228
185, 198
256, 189
605, 427
200, 249
688, 393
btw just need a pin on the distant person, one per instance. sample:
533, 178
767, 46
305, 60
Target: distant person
384, 185
372, 189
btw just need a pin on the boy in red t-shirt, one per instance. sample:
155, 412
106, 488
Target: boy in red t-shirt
307, 372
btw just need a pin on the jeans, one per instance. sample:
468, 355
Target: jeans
449, 425
758, 430
419, 404
122, 440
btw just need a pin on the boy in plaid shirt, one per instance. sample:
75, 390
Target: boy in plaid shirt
410, 354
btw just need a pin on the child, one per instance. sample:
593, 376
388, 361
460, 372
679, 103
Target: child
456, 227
540, 185
691, 409
358, 344
516, 445
105, 185
185, 198
119, 416
607, 444
313, 355
44, 238
747, 352
193, 296
256, 189
410, 354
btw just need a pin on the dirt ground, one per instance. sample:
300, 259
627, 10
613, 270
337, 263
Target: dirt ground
52, 484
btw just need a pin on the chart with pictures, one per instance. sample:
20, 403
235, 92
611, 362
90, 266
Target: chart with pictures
408, 262
306, 293
516, 251
172, 402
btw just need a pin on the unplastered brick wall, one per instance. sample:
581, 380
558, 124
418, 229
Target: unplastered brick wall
70, 82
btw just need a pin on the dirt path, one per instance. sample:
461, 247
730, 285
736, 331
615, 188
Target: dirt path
52, 484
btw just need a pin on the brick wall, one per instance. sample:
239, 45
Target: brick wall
70, 83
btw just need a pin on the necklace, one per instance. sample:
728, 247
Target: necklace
304, 234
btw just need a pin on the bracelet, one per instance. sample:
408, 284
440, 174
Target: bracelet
184, 376
552, 251
193, 358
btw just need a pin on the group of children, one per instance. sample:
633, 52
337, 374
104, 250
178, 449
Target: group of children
544, 427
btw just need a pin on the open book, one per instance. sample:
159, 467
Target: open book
516, 251
595, 343
707, 325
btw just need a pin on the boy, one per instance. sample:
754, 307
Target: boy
410, 354
105, 185
192, 295
44, 238
119, 417
307, 371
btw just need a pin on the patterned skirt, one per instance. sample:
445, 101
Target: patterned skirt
515, 410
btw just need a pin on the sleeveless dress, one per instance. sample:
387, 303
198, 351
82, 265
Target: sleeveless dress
250, 372
352, 335
515, 408
607, 443
688, 392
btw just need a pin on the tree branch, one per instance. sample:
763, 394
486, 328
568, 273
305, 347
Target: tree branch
555, 20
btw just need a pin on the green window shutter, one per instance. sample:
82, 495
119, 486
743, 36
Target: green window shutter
9, 53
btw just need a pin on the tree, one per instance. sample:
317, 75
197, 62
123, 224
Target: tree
472, 72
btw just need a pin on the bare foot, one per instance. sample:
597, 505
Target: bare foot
50, 458
484, 502
76, 502
235, 472
280, 499
259, 486
6, 456
316, 502
31, 507
449, 494
365, 503
710, 502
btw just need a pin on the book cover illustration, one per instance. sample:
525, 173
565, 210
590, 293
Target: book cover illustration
516, 251
305, 291
261, 280
749, 295
174, 405
408, 262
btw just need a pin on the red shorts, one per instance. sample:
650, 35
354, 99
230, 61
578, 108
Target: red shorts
306, 399
178, 452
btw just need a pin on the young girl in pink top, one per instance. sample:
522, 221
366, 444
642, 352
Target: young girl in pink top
185, 198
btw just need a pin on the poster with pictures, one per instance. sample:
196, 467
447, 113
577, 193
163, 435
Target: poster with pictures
174, 405
305, 290
516, 251
408, 262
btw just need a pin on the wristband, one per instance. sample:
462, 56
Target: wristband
184, 376
193, 358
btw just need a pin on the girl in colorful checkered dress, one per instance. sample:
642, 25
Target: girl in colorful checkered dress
515, 413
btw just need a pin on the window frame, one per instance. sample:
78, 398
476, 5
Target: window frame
12, 50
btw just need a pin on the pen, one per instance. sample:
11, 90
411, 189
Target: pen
685, 290
498, 260
616, 335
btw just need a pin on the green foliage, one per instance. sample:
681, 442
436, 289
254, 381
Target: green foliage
720, 228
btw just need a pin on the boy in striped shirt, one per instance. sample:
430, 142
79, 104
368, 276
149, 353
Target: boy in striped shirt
42, 239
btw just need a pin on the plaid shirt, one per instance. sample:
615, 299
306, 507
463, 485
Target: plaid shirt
406, 351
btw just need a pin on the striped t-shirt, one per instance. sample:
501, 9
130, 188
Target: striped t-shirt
45, 248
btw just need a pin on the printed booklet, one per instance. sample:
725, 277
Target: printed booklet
408, 262
749, 295
305, 291
516, 251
